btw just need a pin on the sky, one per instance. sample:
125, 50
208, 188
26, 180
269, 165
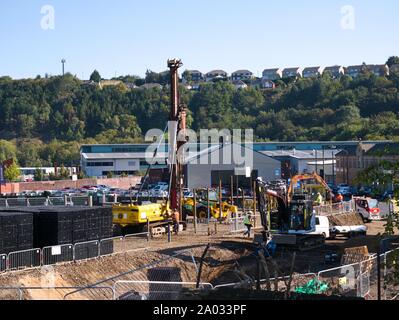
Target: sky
123, 37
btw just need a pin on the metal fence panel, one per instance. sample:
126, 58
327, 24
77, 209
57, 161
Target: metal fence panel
136, 241
3, 202
342, 280
17, 202
86, 250
93, 293
79, 201
3, 262
56, 201
36, 202
154, 290
24, 259
112, 245
390, 273
57, 254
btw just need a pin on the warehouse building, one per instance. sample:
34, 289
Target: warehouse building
202, 170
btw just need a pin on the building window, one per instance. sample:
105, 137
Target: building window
100, 164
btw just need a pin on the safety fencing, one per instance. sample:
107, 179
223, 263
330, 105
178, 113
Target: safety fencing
230, 226
154, 290
335, 208
66, 253
162, 279
43, 201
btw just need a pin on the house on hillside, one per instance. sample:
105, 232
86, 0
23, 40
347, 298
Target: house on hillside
272, 74
268, 84
192, 76
239, 84
379, 70
312, 72
241, 75
215, 74
292, 72
335, 71
151, 86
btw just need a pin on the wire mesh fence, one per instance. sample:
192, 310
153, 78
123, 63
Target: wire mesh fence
57, 254
24, 259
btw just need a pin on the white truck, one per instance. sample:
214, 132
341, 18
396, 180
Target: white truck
330, 232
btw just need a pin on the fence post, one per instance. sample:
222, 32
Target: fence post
195, 211
65, 200
27, 202
379, 273
7, 203
169, 234
115, 198
254, 201
385, 275
148, 230
208, 205
90, 201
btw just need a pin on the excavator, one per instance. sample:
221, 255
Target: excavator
202, 205
137, 216
289, 219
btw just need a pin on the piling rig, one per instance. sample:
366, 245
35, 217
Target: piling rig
137, 216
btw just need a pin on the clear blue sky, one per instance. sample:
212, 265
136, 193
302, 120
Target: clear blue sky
129, 36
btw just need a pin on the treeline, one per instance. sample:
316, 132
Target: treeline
43, 121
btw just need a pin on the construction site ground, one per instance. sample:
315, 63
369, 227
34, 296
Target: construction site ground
227, 254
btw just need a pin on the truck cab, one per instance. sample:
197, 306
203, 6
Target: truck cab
367, 208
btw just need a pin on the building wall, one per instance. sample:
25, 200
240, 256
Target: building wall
200, 175
123, 183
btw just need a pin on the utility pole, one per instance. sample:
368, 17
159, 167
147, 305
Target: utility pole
63, 61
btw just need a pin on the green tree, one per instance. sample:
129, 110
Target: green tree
392, 61
95, 76
8, 150
12, 172
38, 176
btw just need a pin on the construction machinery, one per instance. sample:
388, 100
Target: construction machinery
289, 219
203, 197
137, 216
310, 188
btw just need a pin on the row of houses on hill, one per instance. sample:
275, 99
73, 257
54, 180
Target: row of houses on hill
269, 75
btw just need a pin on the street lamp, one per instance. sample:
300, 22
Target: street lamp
63, 61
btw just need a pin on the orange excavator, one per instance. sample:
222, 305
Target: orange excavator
289, 219
306, 177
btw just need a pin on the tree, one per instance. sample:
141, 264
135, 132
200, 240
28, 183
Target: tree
38, 176
8, 150
12, 172
95, 76
392, 61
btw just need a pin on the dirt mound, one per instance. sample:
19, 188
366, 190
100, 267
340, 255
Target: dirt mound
345, 219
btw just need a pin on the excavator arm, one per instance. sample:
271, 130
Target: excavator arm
313, 176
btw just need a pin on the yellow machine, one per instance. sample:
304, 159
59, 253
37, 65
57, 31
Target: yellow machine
202, 205
136, 216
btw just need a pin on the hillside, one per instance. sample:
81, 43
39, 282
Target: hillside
45, 120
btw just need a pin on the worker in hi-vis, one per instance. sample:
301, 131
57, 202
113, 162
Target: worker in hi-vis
319, 199
248, 224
